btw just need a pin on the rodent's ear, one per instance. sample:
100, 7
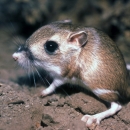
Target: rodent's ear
78, 38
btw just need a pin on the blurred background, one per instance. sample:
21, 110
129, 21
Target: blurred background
20, 18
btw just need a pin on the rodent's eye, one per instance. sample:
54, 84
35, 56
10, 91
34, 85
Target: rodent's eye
50, 47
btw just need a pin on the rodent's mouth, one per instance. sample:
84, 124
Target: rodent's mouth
22, 59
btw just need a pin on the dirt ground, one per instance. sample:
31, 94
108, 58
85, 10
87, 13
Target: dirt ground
20, 105
22, 109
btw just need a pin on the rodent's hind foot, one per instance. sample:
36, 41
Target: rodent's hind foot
97, 118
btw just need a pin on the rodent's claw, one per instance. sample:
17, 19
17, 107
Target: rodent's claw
42, 95
91, 120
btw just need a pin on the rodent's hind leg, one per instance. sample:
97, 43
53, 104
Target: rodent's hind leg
97, 118
56, 83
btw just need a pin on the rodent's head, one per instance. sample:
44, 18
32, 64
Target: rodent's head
52, 47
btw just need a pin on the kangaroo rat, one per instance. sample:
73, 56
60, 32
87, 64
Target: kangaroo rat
78, 55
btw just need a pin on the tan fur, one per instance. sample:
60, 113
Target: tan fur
110, 72
110, 97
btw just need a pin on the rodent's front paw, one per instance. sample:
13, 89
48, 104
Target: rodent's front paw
91, 120
42, 94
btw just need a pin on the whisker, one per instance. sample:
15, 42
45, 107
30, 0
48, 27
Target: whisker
40, 75
29, 69
47, 81
15, 39
34, 81
18, 40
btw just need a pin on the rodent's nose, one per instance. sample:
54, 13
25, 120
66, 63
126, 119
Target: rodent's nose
15, 57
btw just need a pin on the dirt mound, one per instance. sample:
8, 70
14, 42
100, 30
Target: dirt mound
20, 109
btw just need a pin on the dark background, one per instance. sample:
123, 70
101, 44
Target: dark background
20, 18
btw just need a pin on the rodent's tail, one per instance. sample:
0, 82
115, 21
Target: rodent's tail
125, 96
128, 66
